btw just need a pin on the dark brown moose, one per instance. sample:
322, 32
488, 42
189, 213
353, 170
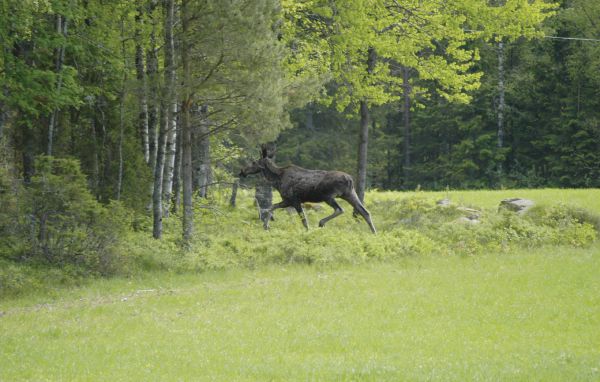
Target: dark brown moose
297, 185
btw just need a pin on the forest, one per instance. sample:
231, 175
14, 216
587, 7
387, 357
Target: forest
149, 108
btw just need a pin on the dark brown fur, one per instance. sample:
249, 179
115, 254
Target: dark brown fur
297, 185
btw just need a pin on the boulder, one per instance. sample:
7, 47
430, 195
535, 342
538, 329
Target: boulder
470, 213
518, 205
443, 203
467, 220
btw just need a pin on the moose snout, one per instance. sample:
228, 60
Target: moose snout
242, 173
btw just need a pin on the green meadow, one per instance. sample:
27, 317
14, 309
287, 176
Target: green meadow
512, 298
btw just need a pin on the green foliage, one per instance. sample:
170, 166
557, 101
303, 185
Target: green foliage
10, 192
18, 278
368, 41
59, 223
240, 71
30, 79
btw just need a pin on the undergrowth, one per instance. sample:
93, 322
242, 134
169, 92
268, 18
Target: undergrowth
228, 238
410, 226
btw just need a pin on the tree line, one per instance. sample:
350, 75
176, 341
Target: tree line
160, 99
532, 121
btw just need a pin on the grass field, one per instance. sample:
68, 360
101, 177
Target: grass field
525, 316
528, 314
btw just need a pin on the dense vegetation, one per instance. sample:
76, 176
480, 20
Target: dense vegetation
120, 120
410, 225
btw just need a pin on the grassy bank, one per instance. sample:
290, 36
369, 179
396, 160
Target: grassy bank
527, 315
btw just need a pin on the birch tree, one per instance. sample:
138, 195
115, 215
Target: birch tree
166, 122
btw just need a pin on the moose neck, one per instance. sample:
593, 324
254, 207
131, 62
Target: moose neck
273, 173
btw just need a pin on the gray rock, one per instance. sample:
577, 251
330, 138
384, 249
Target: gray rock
518, 205
466, 220
443, 203
470, 213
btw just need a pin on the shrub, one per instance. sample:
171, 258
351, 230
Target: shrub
60, 223
10, 190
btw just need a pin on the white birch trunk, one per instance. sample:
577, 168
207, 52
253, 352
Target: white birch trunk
188, 213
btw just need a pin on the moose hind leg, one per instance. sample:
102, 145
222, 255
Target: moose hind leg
359, 208
337, 211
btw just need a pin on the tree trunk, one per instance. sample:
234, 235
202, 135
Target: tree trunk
165, 121
151, 75
120, 147
153, 106
186, 128
501, 101
406, 90
202, 154
28, 143
95, 160
171, 105
122, 114
363, 142
61, 28
363, 136
309, 117
142, 87
264, 198
234, 190
170, 154
157, 207
177, 172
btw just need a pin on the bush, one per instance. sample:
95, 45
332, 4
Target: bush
58, 222
10, 191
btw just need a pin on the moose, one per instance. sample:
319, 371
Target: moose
297, 185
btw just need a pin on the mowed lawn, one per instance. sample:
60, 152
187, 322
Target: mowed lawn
528, 316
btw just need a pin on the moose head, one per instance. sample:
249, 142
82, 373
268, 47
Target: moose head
267, 153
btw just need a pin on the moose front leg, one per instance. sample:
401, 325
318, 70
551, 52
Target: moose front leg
300, 211
269, 214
